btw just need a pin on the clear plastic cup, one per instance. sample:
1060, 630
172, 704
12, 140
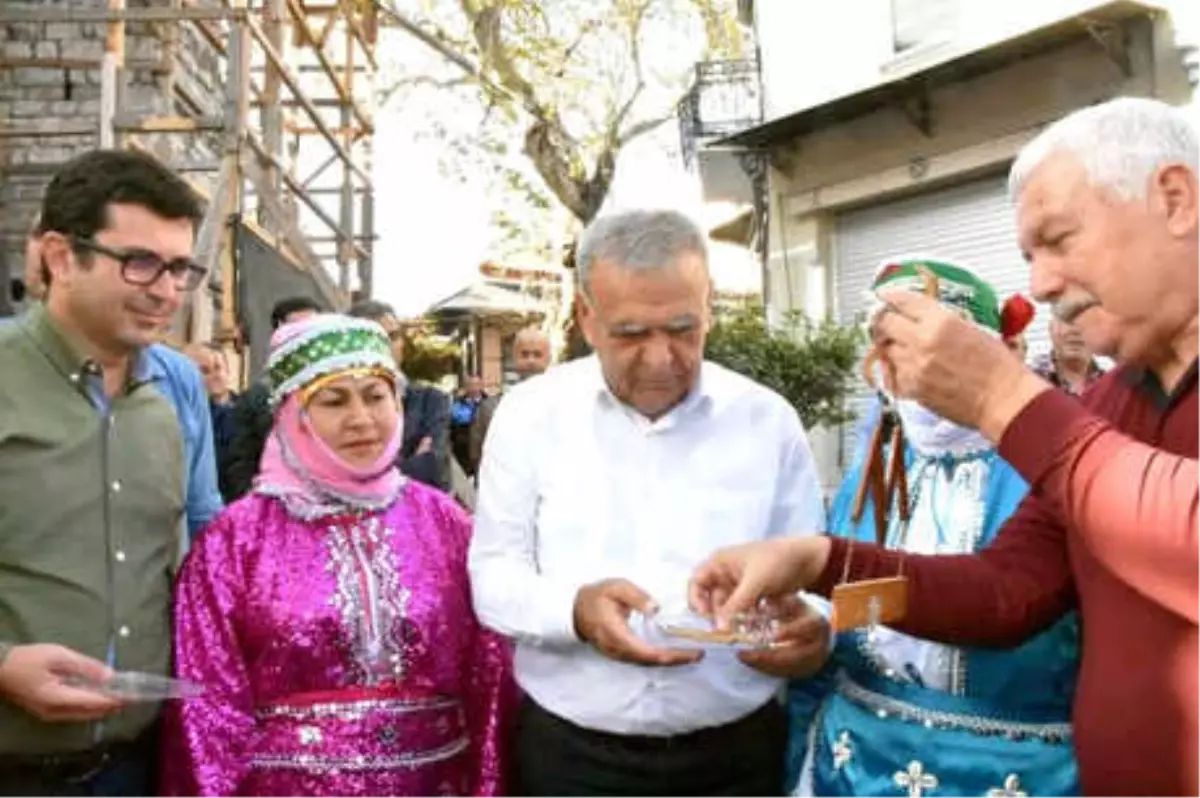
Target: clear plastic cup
139, 687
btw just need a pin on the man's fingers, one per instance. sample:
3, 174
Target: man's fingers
630, 595
743, 598
909, 305
623, 644
66, 662
617, 640
891, 328
709, 586
766, 660
772, 662
67, 701
720, 596
61, 702
700, 598
787, 661
802, 629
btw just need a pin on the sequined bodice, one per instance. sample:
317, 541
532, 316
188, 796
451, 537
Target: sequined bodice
339, 656
351, 601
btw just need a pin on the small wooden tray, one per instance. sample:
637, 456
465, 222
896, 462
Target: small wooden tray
714, 636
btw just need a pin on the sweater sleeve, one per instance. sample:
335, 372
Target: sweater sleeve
1132, 505
996, 598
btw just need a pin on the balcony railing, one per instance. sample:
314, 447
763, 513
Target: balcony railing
726, 97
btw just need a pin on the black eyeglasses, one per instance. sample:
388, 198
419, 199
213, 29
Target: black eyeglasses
142, 267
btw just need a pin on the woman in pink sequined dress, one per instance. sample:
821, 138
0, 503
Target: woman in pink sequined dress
328, 614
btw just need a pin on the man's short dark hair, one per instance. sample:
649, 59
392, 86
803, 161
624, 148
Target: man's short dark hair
371, 309
293, 304
77, 200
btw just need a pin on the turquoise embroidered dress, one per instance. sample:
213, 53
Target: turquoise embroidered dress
894, 715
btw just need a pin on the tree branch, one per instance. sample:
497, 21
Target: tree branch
585, 30
642, 128
519, 65
487, 113
554, 155
486, 24
413, 29
386, 93
635, 54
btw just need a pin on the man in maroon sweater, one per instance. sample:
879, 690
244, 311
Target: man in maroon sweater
1107, 206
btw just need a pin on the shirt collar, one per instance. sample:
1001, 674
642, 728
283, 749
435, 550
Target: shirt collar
68, 358
1145, 381
703, 396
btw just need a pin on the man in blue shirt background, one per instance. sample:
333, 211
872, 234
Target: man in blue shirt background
183, 386
180, 381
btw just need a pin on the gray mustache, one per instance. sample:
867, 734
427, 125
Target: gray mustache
1069, 311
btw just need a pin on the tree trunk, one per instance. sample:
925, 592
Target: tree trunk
576, 345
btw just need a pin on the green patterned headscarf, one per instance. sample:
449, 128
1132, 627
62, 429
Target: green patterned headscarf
958, 286
309, 350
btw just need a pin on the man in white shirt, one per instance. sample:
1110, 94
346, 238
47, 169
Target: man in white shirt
603, 483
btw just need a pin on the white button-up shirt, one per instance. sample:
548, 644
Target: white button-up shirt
576, 487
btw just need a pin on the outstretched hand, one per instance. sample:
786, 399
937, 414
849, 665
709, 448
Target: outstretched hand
801, 645
38, 678
734, 579
602, 611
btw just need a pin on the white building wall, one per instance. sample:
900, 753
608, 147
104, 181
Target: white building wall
1185, 19
814, 52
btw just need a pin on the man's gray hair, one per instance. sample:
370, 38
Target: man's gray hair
1120, 144
639, 240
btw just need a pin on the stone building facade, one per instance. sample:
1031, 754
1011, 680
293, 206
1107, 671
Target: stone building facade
50, 103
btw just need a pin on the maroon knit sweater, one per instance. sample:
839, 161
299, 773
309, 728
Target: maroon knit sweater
1110, 527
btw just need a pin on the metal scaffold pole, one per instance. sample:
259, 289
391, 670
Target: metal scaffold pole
241, 78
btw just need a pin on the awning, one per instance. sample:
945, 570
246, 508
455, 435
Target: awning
910, 88
738, 230
485, 299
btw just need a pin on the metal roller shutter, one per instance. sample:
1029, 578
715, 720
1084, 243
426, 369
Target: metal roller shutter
970, 222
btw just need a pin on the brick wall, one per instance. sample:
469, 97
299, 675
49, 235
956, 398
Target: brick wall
171, 69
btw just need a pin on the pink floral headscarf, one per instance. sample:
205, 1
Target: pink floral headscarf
297, 466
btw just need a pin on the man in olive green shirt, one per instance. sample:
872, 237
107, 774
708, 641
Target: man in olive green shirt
91, 488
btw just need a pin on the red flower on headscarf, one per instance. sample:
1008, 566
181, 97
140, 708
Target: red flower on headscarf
1015, 315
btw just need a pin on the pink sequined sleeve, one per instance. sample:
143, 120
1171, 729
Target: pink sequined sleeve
1134, 505
491, 703
201, 737
489, 690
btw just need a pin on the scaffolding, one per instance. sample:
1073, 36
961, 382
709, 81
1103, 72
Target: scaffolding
290, 145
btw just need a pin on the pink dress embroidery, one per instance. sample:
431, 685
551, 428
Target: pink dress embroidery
341, 656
